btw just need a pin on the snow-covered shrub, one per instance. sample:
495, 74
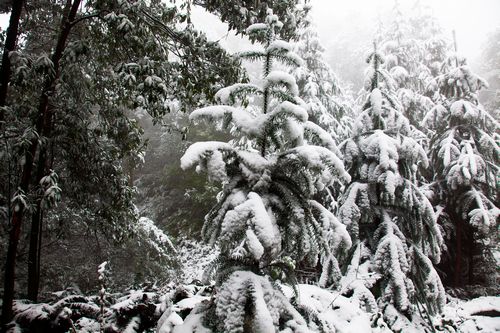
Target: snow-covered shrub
132, 311
270, 309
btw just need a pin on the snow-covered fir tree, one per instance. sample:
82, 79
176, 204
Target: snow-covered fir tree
266, 221
405, 55
392, 223
425, 28
415, 49
465, 155
319, 87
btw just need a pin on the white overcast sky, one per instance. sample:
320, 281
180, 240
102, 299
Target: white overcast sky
472, 19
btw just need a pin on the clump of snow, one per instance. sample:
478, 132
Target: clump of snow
321, 158
170, 322
261, 230
280, 45
195, 152
282, 78
376, 101
256, 27
335, 312
227, 95
193, 323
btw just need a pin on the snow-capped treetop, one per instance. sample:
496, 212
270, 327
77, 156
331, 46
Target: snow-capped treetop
460, 82
376, 76
381, 110
327, 103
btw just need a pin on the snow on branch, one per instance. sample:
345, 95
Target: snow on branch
256, 28
337, 235
229, 94
155, 237
319, 136
261, 230
319, 158
241, 118
280, 78
390, 260
200, 151
251, 55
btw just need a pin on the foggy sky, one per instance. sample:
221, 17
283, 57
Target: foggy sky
472, 19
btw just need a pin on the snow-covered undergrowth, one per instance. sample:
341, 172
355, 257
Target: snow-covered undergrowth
196, 258
178, 309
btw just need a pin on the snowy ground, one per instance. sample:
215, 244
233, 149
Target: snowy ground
177, 308
342, 314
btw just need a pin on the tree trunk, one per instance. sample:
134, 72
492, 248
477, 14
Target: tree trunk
457, 274
43, 126
10, 44
34, 253
14, 234
471, 248
36, 227
10, 263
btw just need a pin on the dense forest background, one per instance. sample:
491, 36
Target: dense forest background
381, 143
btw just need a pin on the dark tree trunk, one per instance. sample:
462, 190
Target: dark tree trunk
10, 263
457, 274
14, 234
36, 229
10, 45
464, 251
471, 249
43, 126
34, 253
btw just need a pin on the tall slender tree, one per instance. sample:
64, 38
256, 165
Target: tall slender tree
465, 156
390, 219
405, 53
266, 221
9, 46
